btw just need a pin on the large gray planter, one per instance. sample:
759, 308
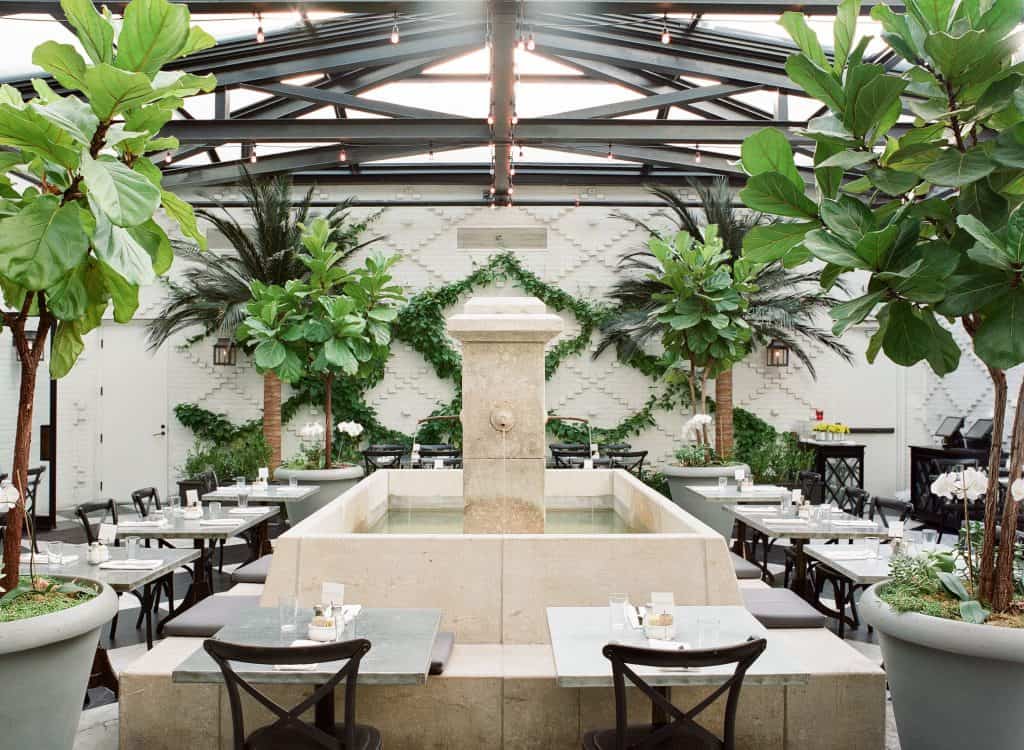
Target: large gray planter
333, 483
44, 671
696, 505
954, 685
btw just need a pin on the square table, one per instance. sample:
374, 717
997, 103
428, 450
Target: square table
852, 571
800, 531
707, 502
579, 633
402, 641
273, 493
204, 539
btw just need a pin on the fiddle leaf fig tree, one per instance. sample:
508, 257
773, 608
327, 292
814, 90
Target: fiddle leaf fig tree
336, 323
919, 177
83, 236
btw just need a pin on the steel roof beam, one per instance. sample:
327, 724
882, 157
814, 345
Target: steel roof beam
647, 103
336, 98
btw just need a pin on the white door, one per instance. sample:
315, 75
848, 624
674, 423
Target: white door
133, 426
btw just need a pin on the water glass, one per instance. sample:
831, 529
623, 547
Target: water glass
288, 612
243, 498
175, 504
931, 538
239, 481
55, 550
723, 483
912, 543
708, 632
215, 509
132, 544
293, 481
871, 545
617, 613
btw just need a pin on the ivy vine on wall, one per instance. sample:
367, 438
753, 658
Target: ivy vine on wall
421, 325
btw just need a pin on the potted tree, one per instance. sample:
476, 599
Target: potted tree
80, 239
335, 324
933, 216
700, 306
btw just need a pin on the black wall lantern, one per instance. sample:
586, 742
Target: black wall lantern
30, 337
224, 353
778, 354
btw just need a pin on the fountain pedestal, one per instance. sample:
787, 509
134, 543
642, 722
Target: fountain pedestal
503, 412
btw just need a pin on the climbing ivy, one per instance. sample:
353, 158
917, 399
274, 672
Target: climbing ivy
421, 325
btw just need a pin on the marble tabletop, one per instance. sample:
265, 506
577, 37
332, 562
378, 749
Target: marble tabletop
181, 528
845, 559
402, 641
579, 633
838, 526
761, 493
119, 580
274, 493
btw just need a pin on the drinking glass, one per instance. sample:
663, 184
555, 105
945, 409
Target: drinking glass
215, 509
175, 504
293, 481
871, 545
707, 632
912, 541
55, 550
243, 498
239, 481
931, 538
617, 612
287, 612
132, 543
723, 482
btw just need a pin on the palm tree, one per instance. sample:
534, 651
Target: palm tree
785, 308
215, 289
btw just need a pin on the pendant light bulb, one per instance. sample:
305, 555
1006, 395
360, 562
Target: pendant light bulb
531, 43
167, 158
666, 38
395, 35
610, 154
343, 155
252, 154
260, 36
696, 155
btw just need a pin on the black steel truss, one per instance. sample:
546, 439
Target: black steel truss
615, 41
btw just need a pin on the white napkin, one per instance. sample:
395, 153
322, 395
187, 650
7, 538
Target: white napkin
298, 667
44, 559
632, 616
349, 612
219, 522
785, 522
666, 645
758, 508
131, 564
247, 511
142, 524
853, 522
850, 553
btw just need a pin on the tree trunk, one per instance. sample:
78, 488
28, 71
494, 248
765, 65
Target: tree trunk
328, 417
1002, 595
723, 413
987, 577
272, 417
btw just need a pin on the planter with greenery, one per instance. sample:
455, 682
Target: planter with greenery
934, 218
81, 238
335, 324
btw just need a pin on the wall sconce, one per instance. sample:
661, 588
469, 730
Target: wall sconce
778, 354
224, 353
31, 337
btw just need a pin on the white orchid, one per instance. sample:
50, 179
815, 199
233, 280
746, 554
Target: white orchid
352, 429
1017, 489
9, 495
693, 429
312, 431
971, 484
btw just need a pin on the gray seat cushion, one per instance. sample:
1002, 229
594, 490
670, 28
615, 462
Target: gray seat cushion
205, 618
745, 570
781, 608
254, 572
441, 652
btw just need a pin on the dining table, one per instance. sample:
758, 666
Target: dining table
263, 494
849, 567
205, 533
776, 522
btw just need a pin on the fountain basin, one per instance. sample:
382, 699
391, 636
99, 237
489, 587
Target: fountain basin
494, 588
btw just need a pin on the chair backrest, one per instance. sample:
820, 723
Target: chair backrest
812, 486
564, 456
606, 448
855, 501
107, 507
383, 457
145, 500
288, 720
879, 505
631, 461
680, 724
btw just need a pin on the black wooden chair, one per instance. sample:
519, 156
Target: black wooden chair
899, 508
855, 501
451, 455
631, 461
35, 475
569, 456
812, 486
383, 457
146, 500
671, 727
288, 731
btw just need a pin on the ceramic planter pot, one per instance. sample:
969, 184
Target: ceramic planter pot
332, 482
954, 685
680, 477
45, 663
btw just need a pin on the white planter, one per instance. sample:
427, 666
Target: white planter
696, 505
954, 685
45, 663
332, 483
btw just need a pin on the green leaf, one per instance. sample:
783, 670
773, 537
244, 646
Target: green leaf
971, 611
848, 217
63, 62
804, 37
73, 115
125, 196
843, 31
869, 93
153, 33
384, 314
773, 193
1015, 236
955, 55
771, 242
815, 81
893, 181
907, 336
269, 355
952, 583
999, 340
933, 14
854, 312
197, 41
28, 130
69, 297
898, 34
943, 350
968, 293
829, 248
290, 370
338, 354
873, 248
955, 169
112, 91
42, 243
989, 249
849, 159
768, 150
94, 31
124, 294
154, 241
1009, 148
184, 216
116, 247
67, 346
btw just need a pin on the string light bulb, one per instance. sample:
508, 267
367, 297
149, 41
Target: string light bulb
521, 44
666, 38
696, 155
515, 118
395, 35
493, 190
577, 201
167, 158
512, 170
531, 43
343, 154
610, 154
260, 36
252, 154
490, 117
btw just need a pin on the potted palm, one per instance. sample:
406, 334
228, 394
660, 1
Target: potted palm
334, 324
82, 238
933, 216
